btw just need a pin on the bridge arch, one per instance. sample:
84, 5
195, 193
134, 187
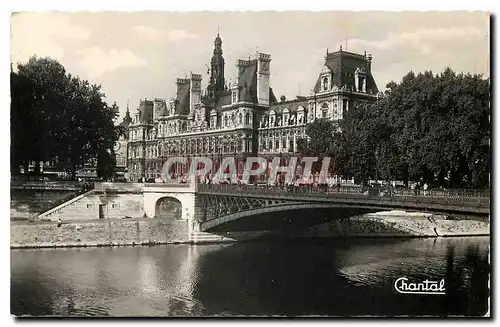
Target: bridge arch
168, 207
279, 207
153, 199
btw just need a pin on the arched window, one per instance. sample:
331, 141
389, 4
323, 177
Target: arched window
247, 118
240, 118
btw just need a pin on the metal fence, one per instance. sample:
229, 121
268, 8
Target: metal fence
468, 198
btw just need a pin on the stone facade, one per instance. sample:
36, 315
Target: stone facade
241, 118
99, 233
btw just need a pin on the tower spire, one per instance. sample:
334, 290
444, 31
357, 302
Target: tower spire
216, 82
127, 117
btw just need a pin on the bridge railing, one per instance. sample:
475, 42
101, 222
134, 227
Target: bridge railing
475, 198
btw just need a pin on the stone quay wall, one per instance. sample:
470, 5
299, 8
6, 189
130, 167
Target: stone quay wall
401, 224
98, 233
147, 231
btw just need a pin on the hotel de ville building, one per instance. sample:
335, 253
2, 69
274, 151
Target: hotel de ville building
240, 119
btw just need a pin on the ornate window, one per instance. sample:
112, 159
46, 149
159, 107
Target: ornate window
235, 96
325, 83
324, 110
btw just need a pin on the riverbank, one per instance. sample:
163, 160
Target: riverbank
109, 232
401, 224
144, 231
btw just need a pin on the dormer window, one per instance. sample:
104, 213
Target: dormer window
325, 83
361, 83
360, 80
285, 117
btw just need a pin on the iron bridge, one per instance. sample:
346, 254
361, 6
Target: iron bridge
227, 202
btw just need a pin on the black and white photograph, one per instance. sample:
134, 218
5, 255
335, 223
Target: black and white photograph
250, 164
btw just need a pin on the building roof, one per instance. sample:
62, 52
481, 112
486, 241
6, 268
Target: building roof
183, 99
292, 105
247, 82
343, 65
161, 104
146, 111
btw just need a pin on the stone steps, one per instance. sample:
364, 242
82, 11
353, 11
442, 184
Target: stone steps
202, 237
29, 204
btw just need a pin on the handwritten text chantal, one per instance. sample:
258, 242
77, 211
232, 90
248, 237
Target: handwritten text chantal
426, 287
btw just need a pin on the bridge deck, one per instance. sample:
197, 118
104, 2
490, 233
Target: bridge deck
457, 201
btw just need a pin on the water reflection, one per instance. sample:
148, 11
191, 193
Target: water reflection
327, 277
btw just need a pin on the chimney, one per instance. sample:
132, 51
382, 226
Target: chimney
181, 82
263, 73
369, 60
195, 91
242, 66
283, 98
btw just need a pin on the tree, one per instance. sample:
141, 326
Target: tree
440, 128
428, 128
320, 141
59, 117
359, 131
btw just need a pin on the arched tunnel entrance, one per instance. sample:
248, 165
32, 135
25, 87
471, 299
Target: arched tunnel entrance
168, 208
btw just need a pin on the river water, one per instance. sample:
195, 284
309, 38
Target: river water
292, 278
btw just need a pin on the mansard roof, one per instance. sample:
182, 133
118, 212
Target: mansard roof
343, 66
164, 111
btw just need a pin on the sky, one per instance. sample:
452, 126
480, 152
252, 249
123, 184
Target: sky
139, 55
